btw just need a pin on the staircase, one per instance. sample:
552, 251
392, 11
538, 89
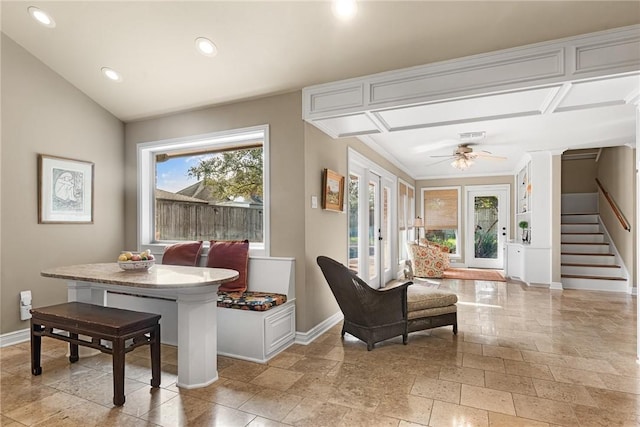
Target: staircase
587, 260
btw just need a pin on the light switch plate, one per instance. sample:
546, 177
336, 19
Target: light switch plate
314, 202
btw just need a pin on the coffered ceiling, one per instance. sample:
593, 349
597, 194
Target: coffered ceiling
269, 47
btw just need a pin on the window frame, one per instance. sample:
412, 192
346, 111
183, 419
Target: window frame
146, 168
459, 237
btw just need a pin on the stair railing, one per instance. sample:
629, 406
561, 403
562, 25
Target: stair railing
614, 207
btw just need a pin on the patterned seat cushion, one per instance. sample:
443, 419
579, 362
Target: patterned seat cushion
256, 301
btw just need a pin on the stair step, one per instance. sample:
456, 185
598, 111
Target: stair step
582, 237
579, 218
585, 247
573, 264
588, 258
578, 276
599, 270
594, 284
581, 233
575, 228
585, 253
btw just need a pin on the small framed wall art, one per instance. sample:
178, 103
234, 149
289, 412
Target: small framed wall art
332, 190
65, 190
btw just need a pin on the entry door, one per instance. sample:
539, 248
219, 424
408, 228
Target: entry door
487, 226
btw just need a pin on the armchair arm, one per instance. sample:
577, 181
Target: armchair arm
387, 305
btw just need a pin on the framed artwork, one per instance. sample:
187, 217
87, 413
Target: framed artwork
332, 190
65, 190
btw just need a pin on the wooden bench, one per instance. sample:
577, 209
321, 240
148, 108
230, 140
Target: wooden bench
124, 329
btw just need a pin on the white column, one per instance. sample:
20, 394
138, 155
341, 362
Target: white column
197, 337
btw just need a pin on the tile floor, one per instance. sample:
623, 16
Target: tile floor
523, 357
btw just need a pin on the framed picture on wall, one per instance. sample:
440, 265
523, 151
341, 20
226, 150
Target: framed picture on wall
65, 190
332, 190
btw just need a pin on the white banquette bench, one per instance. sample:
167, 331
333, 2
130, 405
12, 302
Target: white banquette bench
244, 334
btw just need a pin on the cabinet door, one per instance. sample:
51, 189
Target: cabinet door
515, 261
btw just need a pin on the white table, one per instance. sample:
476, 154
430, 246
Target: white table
193, 288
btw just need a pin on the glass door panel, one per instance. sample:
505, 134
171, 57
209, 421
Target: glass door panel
487, 211
374, 231
354, 225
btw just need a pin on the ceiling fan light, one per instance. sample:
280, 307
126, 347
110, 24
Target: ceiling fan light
462, 163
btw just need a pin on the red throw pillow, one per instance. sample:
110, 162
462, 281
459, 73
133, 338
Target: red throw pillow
233, 255
187, 254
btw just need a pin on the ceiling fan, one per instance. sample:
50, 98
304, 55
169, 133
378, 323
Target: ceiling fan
463, 156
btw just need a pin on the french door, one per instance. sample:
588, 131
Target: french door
487, 225
372, 241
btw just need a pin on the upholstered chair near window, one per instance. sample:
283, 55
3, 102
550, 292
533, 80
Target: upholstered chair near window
187, 254
427, 260
233, 255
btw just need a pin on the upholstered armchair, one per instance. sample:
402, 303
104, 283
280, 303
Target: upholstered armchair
428, 259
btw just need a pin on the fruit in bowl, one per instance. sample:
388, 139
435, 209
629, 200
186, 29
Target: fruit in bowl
136, 261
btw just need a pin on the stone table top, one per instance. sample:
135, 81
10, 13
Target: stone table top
157, 277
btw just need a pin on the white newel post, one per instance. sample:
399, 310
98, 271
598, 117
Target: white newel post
197, 329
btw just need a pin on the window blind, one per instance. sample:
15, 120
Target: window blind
441, 209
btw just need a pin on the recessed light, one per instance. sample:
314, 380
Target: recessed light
206, 47
344, 9
41, 16
111, 74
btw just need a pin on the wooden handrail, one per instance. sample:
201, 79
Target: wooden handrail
615, 209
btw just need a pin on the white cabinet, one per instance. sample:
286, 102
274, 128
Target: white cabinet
528, 264
531, 261
515, 264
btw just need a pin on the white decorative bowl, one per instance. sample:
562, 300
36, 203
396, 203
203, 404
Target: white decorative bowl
137, 265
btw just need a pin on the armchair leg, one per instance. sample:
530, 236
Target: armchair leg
342, 334
369, 346
455, 328
405, 338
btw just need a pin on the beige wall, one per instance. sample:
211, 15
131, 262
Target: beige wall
579, 176
616, 172
462, 183
283, 114
326, 232
42, 113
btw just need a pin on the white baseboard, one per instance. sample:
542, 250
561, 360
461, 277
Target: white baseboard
306, 338
15, 337
556, 286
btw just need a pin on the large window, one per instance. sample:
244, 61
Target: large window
441, 210
208, 187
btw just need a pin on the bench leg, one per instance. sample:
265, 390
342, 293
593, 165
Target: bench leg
118, 372
36, 348
73, 349
155, 356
